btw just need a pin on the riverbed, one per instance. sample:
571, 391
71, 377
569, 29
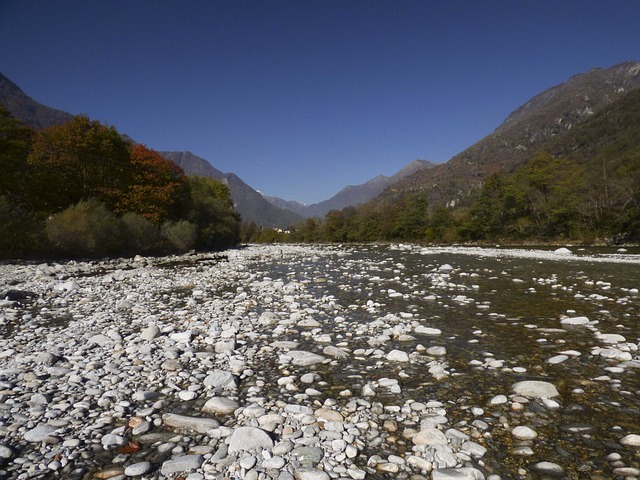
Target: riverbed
320, 362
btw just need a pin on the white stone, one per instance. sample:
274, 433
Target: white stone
535, 389
249, 438
398, 356
305, 359
220, 406
429, 436
574, 321
524, 433
631, 440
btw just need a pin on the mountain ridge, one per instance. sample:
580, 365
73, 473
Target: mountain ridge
351, 195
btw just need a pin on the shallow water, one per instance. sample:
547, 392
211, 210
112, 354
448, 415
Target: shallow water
492, 306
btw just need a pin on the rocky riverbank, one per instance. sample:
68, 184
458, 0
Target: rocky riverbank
206, 367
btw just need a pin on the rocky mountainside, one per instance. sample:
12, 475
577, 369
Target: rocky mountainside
27, 110
249, 203
351, 195
530, 128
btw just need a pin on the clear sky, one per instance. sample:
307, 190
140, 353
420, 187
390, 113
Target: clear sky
301, 98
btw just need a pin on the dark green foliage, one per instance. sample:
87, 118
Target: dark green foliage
181, 235
211, 209
141, 236
88, 228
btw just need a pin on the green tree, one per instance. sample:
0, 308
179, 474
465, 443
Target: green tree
212, 210
15, 142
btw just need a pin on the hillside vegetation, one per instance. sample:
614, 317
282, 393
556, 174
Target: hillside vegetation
81, 190
581, 185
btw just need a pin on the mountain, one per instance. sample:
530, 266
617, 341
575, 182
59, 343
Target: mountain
351, 195
528, 129
248, 202
27, 110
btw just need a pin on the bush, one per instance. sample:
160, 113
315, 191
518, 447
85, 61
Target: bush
141, 236
182, 235
20, 231
85, 229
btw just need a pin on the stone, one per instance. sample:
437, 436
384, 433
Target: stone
310, 474
430, 436
398, 356
249, 438
305, 359
574, 321
335, 352
631, 440
535, 389
422, 330
5, 452
198, 424
524, 433
556, 359
39, 433
307, 456
547, 468
150, 333
464, 473
182, 464
221, 380
563, 251
137, 469
220, 406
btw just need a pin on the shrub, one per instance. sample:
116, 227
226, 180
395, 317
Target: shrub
181, 235
87, 228
140, 235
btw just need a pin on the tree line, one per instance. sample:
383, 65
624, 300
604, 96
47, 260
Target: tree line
583, 186
82, 190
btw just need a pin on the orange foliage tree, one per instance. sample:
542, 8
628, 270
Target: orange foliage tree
158, 186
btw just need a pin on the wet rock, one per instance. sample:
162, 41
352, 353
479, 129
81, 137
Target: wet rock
524, 433
464, 473
304, 359
137, 469
535, 389
631, 440
198, 424
547, 468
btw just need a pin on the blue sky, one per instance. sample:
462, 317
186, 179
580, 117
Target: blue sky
301, 98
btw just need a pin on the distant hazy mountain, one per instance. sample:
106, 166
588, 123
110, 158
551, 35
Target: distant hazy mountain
27, 110
351, 195
530, 128
250, 204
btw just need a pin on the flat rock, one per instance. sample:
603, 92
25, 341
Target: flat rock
151, 332
547, 468
535, 389
305, 359
220, 379
249, 438
398, 356
524, 433
631, 440
430, 436
138, 469
220, 406
200, 425
465, 473
574, 321
182, 464
422, 330
39, 433
310, 474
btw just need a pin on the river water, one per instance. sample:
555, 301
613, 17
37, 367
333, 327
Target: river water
499, 311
